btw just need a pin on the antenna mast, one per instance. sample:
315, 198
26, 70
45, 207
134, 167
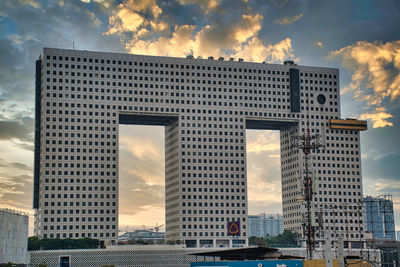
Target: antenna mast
308, 143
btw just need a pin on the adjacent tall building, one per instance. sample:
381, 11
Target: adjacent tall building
206, 105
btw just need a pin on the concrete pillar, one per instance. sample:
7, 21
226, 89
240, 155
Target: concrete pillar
341, 251
328, 248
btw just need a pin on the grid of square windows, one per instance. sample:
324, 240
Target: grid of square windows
84, 92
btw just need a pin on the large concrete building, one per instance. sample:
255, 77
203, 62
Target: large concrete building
206, 105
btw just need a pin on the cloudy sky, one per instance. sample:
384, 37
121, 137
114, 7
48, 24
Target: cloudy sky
360, 37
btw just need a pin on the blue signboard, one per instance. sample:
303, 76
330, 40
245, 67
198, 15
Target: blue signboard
261, 263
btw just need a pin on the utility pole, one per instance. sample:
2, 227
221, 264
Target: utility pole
308, 144
328, 248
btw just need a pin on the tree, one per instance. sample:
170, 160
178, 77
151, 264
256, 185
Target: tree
257, 241
35, 243
286, 239
10, 264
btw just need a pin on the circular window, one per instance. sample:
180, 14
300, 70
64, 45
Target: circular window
321, 99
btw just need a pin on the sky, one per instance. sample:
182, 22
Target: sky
360, 37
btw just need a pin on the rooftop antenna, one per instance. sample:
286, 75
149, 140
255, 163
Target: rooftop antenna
73, 45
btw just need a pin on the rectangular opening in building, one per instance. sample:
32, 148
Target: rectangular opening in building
141, 181
264, 183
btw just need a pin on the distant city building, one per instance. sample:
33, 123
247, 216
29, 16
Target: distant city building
398, 235
145, 235
379, 216
265, 225
13, 237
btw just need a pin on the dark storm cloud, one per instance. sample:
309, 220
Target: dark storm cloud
333, 23
29, 30
16, 72
177, 14
274, 10
381, 150
385, 165
380, 163
54, 25
17, 129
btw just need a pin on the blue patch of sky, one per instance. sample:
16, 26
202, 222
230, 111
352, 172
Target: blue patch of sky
364, 10
7, 26
176, 14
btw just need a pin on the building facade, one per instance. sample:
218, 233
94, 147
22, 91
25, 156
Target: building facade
379, 217
13, 237
263, 225
206, 105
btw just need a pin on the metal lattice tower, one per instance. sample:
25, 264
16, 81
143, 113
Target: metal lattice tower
308, 143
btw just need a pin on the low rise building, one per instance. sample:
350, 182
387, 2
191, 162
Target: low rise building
13, 236
162, 255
